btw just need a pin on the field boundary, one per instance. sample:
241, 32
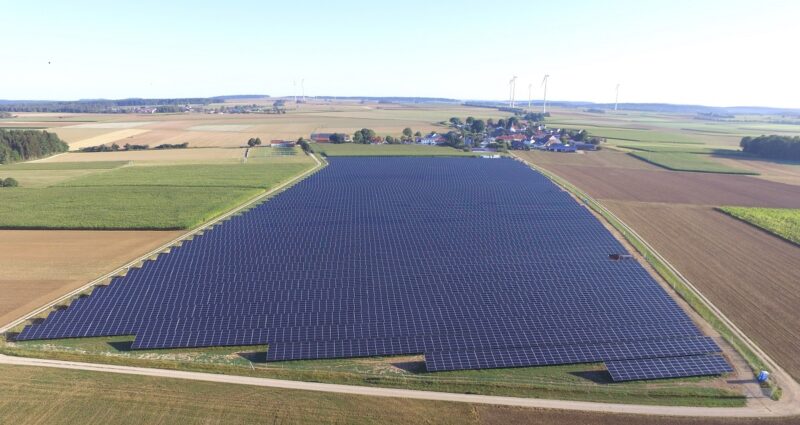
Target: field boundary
756, 226
756, 358
5, 328
639, 155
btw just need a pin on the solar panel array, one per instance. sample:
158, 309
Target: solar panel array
475, 263
667, 367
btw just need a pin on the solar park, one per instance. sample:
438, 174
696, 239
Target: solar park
473, 263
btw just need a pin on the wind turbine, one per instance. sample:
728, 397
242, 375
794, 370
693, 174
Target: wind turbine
530, 87
544, 84
616, 98
512, 88
303, 88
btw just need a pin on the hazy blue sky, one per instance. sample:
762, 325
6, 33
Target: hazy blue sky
709, 52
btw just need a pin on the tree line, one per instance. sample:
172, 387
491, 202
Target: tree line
773, 146
130, 147
104, 106
24, 145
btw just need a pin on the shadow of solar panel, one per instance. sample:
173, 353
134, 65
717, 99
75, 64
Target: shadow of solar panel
667, 367
383, 256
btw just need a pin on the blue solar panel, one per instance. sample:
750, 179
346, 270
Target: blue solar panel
461, 259
667, 367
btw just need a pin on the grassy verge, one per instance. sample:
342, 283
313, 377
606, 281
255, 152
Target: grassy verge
588, 382
354, 149
683, 161
781, 222
675, 281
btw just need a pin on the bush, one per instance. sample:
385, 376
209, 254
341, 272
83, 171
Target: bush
9, 182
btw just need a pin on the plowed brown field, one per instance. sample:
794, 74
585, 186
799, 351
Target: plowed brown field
39, 266
753, 277
677, 187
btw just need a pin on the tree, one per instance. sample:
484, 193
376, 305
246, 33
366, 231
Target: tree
469, 120
336, 138
454, 139
304, 145
254, 141
418, 134
279, 106
365, 136
9, 182
477, 126
407, 133
455, 121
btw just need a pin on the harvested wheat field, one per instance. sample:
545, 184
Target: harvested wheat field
752, 276
645, 185
604, 158
768, 170
204, 155
41, 265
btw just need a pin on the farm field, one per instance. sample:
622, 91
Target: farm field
36, 175
784, 223
164, 156
750, 275
165, 197
352, 149
788, 173
233, 130
39, 266
41, 395
684, 161
655, 184
715, 142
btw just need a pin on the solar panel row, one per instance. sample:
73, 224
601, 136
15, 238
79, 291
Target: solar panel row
474, 263
667, 367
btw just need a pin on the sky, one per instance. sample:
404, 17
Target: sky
709, 52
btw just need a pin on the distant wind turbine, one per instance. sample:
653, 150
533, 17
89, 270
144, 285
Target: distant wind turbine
616, 98
303, 89
544, 84
530, 87
512, 88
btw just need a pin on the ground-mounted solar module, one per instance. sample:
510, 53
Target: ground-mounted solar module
475, 263
667, 367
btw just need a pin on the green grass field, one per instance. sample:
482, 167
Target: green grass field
682, 161
250, 175
575, 382
783, 222
353, 149
138, 197
37, 175
646, 147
